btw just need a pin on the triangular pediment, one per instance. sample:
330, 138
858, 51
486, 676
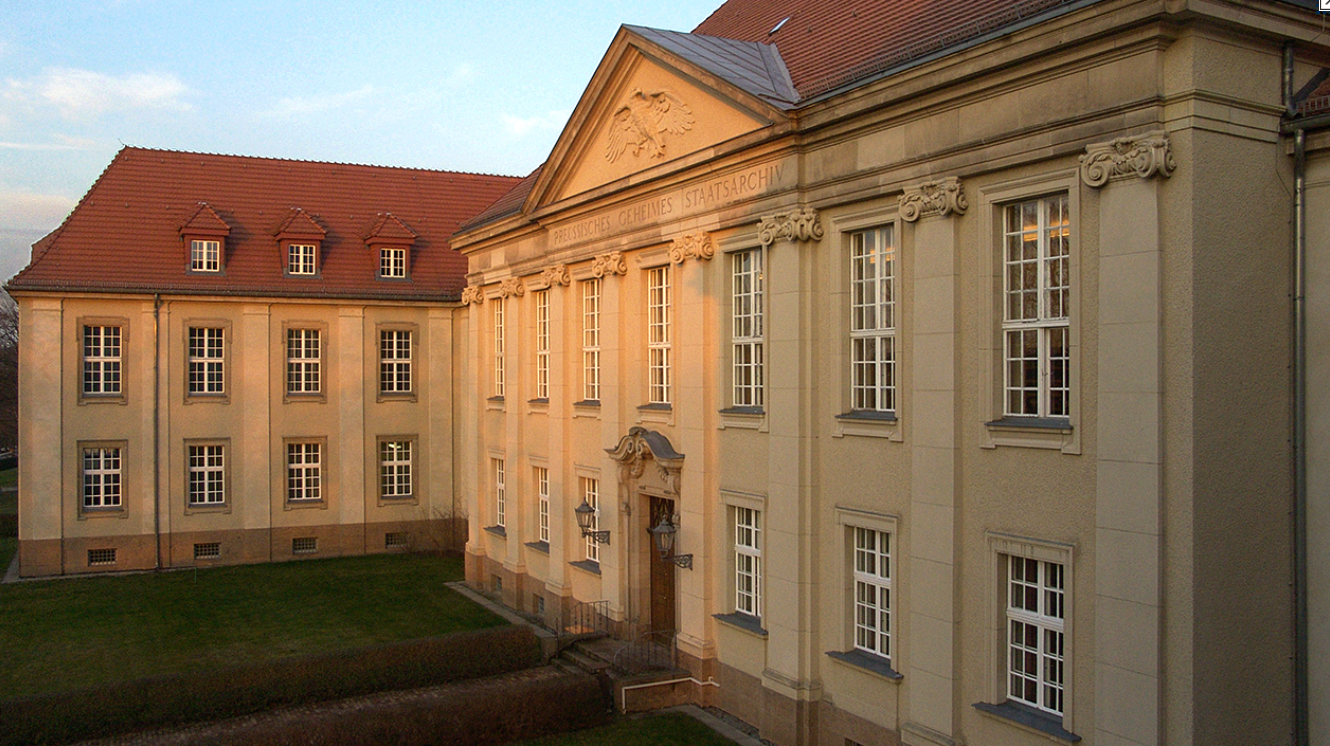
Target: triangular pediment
659, 97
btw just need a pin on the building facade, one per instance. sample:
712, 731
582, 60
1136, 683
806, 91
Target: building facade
212, 376
956, 360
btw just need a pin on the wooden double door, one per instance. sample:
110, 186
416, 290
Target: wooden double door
662, 607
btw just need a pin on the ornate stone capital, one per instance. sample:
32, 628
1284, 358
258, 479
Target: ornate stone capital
556, 275
513, 286
1144, 156
474, 294
942, 197
692, 246
797, 225
609, 264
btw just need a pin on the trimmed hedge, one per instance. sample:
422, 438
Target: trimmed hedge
162, 701
8, 525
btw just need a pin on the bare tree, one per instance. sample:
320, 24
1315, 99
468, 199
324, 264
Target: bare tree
8, 372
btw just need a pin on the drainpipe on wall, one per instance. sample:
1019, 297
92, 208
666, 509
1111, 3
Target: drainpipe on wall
157, 425
1301, 726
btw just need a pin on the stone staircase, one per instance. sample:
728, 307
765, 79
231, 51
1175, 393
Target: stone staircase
632, 681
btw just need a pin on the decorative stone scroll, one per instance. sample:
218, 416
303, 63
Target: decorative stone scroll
692, 246
640, 444
556, 275
797, 225
513, 286
1143, 156
943, 197
474, 294
609, 264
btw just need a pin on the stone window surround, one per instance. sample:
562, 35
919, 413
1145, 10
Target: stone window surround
850, 518
115, 511
81, 323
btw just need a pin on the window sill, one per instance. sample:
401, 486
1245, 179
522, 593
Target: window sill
320, 504
868, 423
497, 531
743, 622
744, 418
586, 408
495, 404
658, 413
398, 500
1031, 432
102, 399
387, 396
1028, 718
538, 406
291, 398
590, 566
873, 664
94, 513
192, 508
207, 398
539, 546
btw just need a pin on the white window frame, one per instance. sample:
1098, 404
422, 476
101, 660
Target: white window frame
499, 473
205, 255
747, 545
872, 593
590, 491
392, 262
102, 480
873, 312
542, 476
1004, 550
591, 339
207, 361
102, 360
659, 335
304, 355
302, 258
206, 477
396, 468
395, 353
1036, 671
747, 330
542, 344
1036, 308
500, 370
304, 471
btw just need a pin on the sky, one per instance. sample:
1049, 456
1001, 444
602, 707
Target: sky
466, 86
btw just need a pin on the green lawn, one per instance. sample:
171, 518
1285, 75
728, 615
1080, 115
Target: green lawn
62, 634
664, 729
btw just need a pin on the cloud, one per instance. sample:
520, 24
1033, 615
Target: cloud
300, 106
65, 143
27, 210
522, 126
81, 94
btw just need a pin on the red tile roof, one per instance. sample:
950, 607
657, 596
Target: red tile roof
126, 233
828, 43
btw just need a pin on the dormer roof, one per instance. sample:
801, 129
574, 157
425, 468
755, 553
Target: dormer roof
299, 224
205, 222
387, 228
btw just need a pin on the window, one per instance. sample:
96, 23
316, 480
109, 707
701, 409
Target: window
542, 504
205, 256
102, 478
872, 591
500, 494
1035, 633
304, 472
395, 469
748, 561
394, 361
591, 340
658, 335
206, 358
302, 361
872, 321
591, 493
301, 258
543, 344
1037, 302
101, 361
747, 329
392, 263
207, 475
498, 348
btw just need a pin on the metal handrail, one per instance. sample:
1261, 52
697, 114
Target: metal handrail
649, 651
587, 618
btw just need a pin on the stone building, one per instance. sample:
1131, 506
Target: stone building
949, 342
231, 359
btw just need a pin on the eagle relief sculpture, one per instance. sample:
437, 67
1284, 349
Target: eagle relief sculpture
642, 122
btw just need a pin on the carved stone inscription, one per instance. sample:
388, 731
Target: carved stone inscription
674, 204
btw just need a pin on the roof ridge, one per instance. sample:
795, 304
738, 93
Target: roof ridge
314, 162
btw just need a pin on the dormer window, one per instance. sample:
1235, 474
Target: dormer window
392, 262
300, 239
205, 255
204, 236
301, 258
391, 239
